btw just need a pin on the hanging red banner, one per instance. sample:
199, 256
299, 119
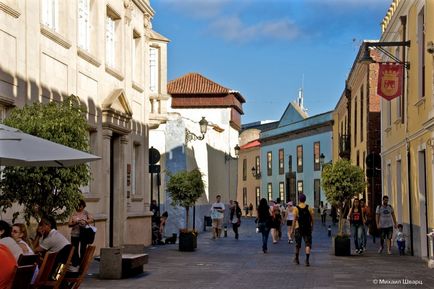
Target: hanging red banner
390, 80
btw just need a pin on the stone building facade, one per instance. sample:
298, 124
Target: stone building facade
106, 53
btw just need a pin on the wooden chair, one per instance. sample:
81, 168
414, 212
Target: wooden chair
74, 282
23, 276
53, 276
45, 269
27, 259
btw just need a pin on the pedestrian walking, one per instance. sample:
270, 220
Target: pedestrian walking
251, 209
289, 221
356, 219
334, 215
323, 211
217, 215
264, 222
276, 223
235, 218
386, 221
400, 240
303, 226
367, 216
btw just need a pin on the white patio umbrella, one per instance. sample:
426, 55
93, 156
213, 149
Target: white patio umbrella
22, 149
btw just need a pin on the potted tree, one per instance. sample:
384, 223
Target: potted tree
342, 181
185, 188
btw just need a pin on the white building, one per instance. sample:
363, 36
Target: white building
192, 98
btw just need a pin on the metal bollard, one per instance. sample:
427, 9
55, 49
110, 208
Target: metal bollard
329, 231
225, 231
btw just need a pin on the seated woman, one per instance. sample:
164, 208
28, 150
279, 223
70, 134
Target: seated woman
19, 234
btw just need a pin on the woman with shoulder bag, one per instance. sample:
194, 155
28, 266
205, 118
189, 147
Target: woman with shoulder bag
264, 222
78, 222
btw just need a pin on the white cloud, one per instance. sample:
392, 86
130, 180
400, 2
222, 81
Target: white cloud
233, 29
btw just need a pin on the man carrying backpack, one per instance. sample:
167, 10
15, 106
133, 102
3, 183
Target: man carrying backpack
303, 225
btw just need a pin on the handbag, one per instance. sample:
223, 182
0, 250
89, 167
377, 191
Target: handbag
87, 234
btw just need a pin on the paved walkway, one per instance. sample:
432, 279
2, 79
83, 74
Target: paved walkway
227, 263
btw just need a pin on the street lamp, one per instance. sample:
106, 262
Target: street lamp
228, 157
189, 136
321, 159
256, 174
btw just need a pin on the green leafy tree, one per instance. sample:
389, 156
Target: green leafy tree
341, 182
185, 188
47, 190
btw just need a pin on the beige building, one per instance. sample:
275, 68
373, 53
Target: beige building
249, 169
107, 54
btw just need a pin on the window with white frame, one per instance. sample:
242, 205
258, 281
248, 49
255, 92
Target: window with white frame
84, 24
153, 69
50, 14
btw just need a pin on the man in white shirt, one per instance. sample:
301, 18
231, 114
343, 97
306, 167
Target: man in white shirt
52, 240
217, 214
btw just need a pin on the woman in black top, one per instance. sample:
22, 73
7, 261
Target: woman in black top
264, 222
236, 218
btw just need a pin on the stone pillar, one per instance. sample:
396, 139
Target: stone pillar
105, 179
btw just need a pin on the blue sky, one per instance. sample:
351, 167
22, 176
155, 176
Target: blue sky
265, 48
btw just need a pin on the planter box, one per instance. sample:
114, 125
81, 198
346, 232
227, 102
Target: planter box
187, 241
342, 246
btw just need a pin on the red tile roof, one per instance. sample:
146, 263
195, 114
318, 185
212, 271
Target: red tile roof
251, 144
194, 83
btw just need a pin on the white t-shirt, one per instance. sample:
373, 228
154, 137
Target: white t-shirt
54, 242
385, 212
216, 214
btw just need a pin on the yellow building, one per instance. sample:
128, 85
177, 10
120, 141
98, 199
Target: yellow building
356, 129
408, 122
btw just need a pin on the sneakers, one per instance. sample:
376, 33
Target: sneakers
389, 252
380, 250
296, 261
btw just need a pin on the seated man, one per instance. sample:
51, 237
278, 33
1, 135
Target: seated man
52, 240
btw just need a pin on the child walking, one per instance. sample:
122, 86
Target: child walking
400, 240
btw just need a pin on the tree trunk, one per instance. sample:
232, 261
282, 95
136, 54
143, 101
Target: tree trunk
187, 216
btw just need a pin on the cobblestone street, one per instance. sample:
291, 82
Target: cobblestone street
230, 263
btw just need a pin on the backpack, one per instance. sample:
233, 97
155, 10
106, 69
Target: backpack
304, 220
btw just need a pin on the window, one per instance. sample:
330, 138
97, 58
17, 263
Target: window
270, 191
281, 162
290, 163
269, 164
316, 155
136, 57
244, 169
50, 12
258, 164
258, 195
355, 120
421, 54
244, 197
299, 159
153, 69
110, 46
317, 192
300, 187
361, 112
282, 191
84, 24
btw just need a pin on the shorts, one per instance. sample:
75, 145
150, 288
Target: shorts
386, 233
217, 223
306, 237
289, 222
